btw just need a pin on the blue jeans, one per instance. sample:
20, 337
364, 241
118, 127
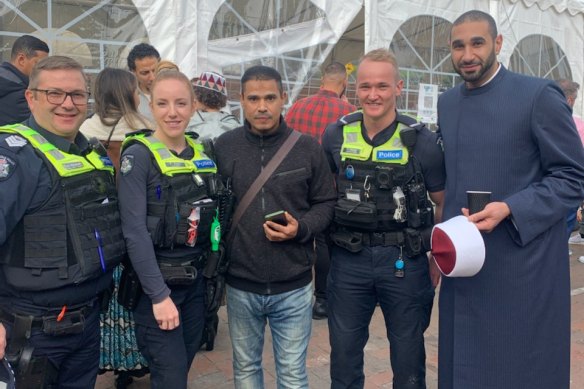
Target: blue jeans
290, 317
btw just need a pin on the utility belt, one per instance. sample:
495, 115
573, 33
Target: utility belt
178, 274
38, 371
64, 323
173, 273
181, 273
414, 242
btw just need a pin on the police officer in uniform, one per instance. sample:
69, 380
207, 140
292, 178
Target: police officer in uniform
168, 189
386, 164
60, 233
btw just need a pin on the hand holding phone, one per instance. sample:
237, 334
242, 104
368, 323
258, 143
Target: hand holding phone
278, 217
283, 226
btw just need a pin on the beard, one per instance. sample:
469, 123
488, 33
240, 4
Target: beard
478, 74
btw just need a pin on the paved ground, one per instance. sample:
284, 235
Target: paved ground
213, 369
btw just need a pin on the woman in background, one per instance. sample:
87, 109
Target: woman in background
116, 114
115, 111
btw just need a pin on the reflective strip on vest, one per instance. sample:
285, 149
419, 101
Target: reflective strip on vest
355, 147
169, 164
67, 165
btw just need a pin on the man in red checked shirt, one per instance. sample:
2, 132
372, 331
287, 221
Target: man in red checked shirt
311, 115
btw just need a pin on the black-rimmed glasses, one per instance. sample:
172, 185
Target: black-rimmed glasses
58, 97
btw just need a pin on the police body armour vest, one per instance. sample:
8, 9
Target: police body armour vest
75, 235
184, 182
383, 180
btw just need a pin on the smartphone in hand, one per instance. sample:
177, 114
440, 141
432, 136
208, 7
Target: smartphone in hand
278, 217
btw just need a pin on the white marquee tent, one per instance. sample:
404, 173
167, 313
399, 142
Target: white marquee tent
544, 38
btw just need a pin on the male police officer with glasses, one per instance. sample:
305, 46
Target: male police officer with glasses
386, 165
60, 234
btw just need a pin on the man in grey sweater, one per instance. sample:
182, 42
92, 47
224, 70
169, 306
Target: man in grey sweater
270, 271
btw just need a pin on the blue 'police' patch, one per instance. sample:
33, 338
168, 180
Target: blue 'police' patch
7, 167
106, 161
388, 155
205, 164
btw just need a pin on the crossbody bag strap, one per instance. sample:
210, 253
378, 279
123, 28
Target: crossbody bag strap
261, 180
109, 138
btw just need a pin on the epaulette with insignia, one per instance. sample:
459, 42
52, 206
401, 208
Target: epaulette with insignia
410, 122
352, 117
15, 141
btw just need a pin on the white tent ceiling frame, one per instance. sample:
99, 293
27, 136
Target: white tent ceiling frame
180, 29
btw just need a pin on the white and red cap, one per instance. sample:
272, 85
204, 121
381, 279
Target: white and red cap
458, 247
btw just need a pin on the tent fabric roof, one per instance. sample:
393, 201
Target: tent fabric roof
572, 6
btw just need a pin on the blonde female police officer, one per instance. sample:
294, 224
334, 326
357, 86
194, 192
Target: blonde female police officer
167, 209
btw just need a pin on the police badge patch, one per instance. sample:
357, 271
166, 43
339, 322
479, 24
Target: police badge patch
126, 164
7, 167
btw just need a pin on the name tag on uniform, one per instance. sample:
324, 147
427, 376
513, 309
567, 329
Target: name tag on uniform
205, 164
349, 150
72, 165
388, 155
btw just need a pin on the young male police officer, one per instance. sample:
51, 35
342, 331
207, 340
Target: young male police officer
60, 233
386, 163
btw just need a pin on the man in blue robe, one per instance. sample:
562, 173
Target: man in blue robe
512, 135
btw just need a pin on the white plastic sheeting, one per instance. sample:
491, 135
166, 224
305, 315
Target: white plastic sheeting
180, 30
572, 6
295, 36
561, 20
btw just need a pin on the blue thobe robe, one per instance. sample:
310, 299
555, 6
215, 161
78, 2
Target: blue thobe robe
508, 327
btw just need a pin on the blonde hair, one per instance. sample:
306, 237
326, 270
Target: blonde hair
165, 65
171, 74
382, 55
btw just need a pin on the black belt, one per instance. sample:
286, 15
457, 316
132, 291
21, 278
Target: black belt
36, 322
61, 323
198, 263
393, 238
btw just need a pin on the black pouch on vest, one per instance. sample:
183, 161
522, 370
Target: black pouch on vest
178, 275
413, 242
130, 290
356, 214
70, 323
350, 241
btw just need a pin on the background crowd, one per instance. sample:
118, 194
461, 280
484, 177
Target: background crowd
120, 228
